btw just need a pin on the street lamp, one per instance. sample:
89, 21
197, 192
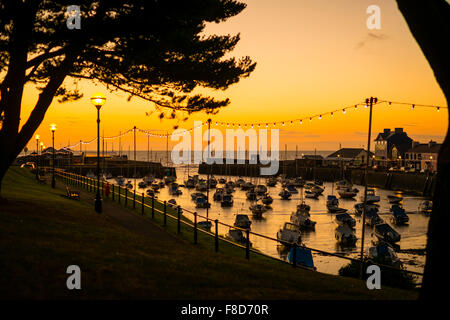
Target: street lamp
98, 100
53, 128
37, 155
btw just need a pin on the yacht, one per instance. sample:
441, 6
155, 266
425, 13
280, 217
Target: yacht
372, 218
257, 209
174, 189
426, 207
333, 205
261, 189
251, 195
359, 207
383, 253
347, 193
271, 182
142, 185
201, 202
267, 199
218, 195
394, 199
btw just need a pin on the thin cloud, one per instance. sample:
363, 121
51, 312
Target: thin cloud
371, 37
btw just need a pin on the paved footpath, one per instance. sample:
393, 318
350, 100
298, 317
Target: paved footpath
123, 216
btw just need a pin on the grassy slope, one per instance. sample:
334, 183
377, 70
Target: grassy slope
43, 233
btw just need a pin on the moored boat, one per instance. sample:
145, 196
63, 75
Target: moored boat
347, 193
242, 221
371, 196
285, 194
237, 236
344, 219
386, 233
289, 234
345, 236
227, 200
257, 209
426, 207
399, 215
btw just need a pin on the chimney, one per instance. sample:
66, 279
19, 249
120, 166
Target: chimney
387, 131
398, 130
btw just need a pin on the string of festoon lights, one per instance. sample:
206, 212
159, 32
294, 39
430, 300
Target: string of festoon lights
263, 125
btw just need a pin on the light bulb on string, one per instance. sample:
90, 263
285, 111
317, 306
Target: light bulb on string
320, 117
332, 114
437, 108
344, 111
412, 108
301, 121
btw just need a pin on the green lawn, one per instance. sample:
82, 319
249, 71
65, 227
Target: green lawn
42, 233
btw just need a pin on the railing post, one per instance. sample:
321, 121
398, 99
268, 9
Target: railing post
143, 195
179, 220
195, 227
134, 199
247, 244
216, 236
112, 192
153, 206
294, 254
126, 196
118, 193
165, 213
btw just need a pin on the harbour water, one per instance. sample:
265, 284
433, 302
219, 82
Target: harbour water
413, 235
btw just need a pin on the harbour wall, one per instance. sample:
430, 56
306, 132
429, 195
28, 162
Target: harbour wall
409, 182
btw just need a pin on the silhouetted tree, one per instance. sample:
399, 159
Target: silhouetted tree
147, 48
429, 22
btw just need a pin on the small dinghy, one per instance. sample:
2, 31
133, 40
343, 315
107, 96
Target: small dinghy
344, 219
129, 185
174, 189
302, 219
292, 189
386, 233
399, 215
222, 181
371, 196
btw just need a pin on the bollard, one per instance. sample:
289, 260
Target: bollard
294, 254
143, 195
126, 196
247, 244
195, 227
112, 194
134, 199
216, 236
153, 206
165, 212
179, 220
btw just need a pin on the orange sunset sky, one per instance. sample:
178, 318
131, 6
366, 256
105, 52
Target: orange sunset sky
312, 56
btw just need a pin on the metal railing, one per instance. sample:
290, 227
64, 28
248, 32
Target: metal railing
175, 213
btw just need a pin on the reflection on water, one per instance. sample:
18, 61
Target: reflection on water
413, 235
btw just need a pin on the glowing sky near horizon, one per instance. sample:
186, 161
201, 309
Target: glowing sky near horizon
312, 56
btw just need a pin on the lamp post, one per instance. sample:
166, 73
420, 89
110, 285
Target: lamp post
37, 156
53, 128
98, 100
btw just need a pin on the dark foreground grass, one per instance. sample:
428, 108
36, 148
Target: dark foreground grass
42, 233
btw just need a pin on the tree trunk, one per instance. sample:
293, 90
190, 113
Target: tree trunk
429, 22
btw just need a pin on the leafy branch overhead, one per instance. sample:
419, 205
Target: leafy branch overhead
150, 49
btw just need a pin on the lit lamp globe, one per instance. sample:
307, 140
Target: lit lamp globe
53, 127
98, 100
38, 137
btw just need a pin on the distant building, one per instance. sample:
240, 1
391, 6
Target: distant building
355, 156
392, 145
423, 156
